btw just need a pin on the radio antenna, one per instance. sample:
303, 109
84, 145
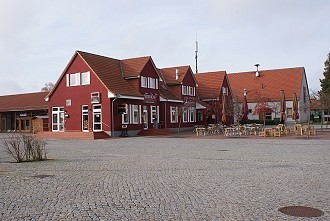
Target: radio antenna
196, 52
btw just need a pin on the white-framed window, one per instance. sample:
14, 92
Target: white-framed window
289, 112
225, 90
154, 113
174, 114
68, 102
191, 91
156, 83
85, 78
124, 116
152, 83
136, 116
144, 82
95, 97
192, 114
74, 79
184, 90
185, 115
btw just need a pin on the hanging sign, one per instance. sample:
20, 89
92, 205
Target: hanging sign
150, 98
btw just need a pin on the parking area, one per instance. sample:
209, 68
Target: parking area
167, 178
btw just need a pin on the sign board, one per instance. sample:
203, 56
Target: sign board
23, 114
189, 102
150, 98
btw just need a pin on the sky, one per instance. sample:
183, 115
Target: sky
39, 37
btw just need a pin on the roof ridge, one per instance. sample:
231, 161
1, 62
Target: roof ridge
39, 92
96, 55
262, 70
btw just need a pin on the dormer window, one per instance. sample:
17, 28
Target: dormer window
152, 83
95, 97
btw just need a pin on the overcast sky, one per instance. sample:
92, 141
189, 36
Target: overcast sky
39, 37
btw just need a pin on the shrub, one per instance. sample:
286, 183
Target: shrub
25, 147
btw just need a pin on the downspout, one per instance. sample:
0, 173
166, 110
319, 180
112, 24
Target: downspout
112, 118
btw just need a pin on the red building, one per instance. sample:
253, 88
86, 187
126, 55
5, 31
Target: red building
214, 89
98, 93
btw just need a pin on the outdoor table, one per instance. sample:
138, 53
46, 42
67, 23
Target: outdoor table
232, 131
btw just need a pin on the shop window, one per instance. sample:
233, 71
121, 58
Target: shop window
124, 116
200, 115
185, 115
192, 114
174, 114
135, 109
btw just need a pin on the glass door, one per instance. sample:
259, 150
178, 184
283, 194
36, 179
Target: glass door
145, 117
84, 119
58, 119
97, 118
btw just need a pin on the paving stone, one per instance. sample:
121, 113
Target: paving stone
168, 179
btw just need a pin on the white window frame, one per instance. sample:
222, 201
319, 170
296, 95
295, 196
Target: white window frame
135, 114
74, 79
156, 83
154, 109
174, 113
97, 111
84, 112
125, 116
192, 114
144, 82
59, 112
85, 78
152, 83
185, 115
68, 102
95, 97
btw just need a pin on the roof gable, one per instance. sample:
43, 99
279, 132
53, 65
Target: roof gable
210, 84
268, 84
132, 67
169, 74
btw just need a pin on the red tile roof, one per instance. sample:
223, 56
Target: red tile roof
132, 67
18, 102
166, 93
169, 74
269, 84
109, 72
210, 84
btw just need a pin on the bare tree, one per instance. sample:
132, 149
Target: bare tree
48, 87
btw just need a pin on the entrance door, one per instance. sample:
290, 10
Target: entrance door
84, 119
145, 117
58, 119
97, 118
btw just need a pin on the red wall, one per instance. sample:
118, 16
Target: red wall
80, 95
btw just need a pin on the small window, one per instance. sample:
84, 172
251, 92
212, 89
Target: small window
200, 116
85, 78
68, 102
192, 114
184, 90
95, 97
268, 116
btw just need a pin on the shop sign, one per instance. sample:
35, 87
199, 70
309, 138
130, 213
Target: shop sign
189, 102
23, 114
150, 98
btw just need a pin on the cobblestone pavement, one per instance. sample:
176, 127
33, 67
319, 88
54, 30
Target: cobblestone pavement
168, 179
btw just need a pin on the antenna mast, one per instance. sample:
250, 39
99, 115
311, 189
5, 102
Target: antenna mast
196, 51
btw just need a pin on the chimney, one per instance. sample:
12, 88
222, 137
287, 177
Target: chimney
176, 74
257, 73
